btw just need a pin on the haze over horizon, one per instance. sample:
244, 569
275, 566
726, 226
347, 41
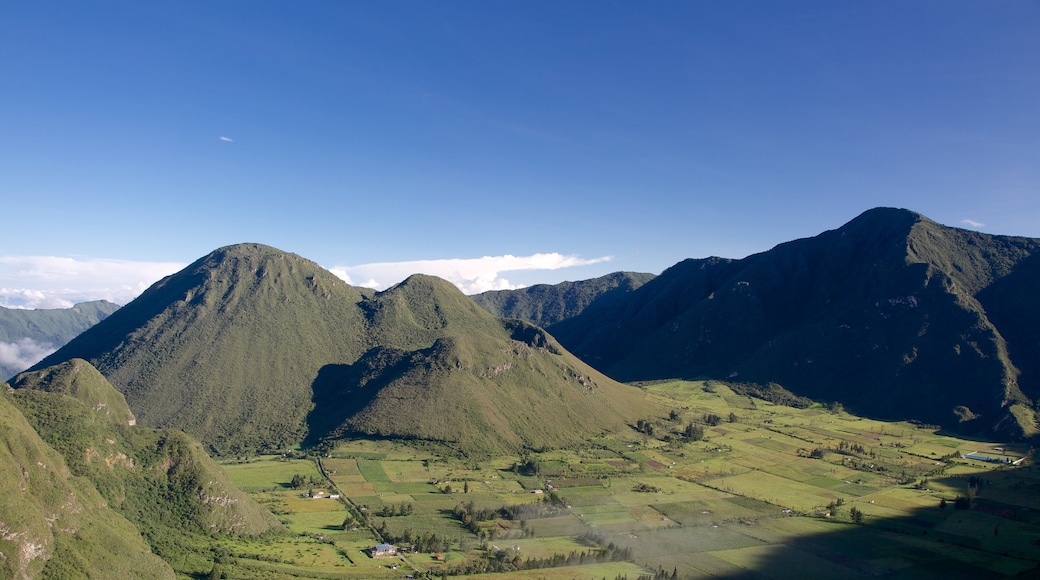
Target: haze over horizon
497, 145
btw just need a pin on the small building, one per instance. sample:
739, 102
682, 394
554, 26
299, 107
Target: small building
382, 550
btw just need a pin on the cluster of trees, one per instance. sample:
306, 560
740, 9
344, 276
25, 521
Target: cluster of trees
645, 426
646, 488
429, 542
846, 448
693, 432
470, 516
392, 510
509, 560
550, 505
771, 392
300, 480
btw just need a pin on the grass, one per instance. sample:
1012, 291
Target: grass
748, 498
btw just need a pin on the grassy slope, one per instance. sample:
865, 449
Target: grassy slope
545, 304
483, 394
880, 314
160, 480
55, 524
237, 348
227, 348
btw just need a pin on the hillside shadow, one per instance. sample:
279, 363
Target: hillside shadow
340, 391
990, 539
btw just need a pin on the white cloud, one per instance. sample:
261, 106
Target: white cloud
23, 354
973, 223
471, 275
226, 139
59, 282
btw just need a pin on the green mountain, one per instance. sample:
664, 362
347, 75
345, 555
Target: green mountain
240, 347
31, 334
483, 393
545, 304
162, 481
892, 314
227, 348
54, 524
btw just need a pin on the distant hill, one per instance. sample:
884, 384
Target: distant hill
160, 480
26, 336
545, 304
892, 314
56, 525
246, 349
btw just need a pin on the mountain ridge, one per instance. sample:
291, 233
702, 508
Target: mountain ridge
881, 313
239, 347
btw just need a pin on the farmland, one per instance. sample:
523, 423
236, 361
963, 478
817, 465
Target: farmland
780, 491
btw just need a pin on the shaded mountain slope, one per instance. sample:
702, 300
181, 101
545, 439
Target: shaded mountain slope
161, 480
55, 525
481, 393
44, 330
887, 314
238, 348
545, 304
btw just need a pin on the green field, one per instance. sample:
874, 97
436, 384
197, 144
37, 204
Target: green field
771, 492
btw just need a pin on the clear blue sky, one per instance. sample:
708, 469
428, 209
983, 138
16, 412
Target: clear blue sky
380, 132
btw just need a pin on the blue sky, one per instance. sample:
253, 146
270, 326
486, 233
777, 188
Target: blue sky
496, 143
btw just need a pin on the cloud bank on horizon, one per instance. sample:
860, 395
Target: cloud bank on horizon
24, 353
32, 282
61, 282
471, 275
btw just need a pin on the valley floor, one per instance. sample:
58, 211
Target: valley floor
766, 491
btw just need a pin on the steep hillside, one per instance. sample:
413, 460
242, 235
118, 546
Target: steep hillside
160, 480
55, 525
238, 348
481, 393
889, 314
545, 304
27, 335
227, 348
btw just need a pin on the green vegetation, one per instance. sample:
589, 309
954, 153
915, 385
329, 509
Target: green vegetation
544, 304
161, 481
56, 525
748, 498
251, 349
893, 315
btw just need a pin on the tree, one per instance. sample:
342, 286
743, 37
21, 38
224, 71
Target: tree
693, 432
732, 417
942, 503
856, 515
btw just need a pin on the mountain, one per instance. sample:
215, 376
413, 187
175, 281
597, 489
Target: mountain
248, 347
483, 393
162, 481
227, 348
56, 525
892, 314
545, 304
26, 336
